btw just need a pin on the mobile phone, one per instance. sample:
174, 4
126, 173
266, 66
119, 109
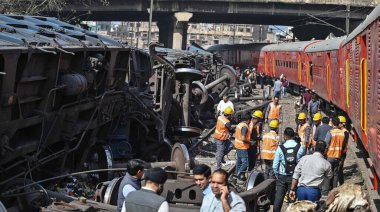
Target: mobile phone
218, 195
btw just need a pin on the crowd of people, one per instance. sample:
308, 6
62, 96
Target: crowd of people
306, 162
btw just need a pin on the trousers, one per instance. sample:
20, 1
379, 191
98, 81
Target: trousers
222, 149
277, 93
308, 193
283, 184
252, 156
241, 161
268, 171
283, 91
340, 170
335, 169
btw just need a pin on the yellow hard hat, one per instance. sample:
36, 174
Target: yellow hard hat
317, 117
257, 114
342, 119
228, 111
273, 123
302, 116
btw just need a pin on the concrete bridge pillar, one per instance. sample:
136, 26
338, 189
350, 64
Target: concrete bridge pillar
173, 30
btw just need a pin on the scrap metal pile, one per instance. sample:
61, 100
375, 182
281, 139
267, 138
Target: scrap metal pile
73, 100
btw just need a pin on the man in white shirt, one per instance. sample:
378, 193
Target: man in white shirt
223, 104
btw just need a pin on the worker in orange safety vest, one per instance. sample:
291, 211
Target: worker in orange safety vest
255, 128
268, 149
336, 141
343, 122
274, 111
304, 130
223, 129
241, 145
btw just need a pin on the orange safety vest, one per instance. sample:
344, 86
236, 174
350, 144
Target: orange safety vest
274, 112
250, 130
346, 147
221, 131
336, 143
239, 139
269, 145
312, 135
302, 133
252, 127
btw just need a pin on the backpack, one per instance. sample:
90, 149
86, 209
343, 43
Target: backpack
290, 158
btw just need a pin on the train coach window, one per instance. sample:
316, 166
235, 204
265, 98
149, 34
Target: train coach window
311, 70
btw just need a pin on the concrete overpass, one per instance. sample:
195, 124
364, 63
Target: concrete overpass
303, 15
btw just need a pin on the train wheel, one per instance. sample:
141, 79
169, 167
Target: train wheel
30, 198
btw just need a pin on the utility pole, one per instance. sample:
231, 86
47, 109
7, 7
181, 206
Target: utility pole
233, 37
150, 21
348, 19
138, 34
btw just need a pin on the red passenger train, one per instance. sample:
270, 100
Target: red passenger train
344, 72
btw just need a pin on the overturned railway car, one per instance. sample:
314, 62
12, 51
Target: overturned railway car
60, 94
241, 55
72, 100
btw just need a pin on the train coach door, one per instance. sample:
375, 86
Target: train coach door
299, 68
363, 84
266, 64
328, 76
273, 64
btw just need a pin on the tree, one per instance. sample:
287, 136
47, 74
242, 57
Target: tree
41, 7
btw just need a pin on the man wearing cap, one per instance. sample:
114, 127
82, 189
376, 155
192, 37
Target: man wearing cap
223, 104
322, 129
317, 119
304, 130
223, 129
343, 121
336, 141
131, 181
268, 149
254, 132
242, 143
148, 199
221, 198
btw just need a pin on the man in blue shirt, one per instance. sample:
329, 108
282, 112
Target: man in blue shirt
221, 198
202, 175
277, 87
286, 158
